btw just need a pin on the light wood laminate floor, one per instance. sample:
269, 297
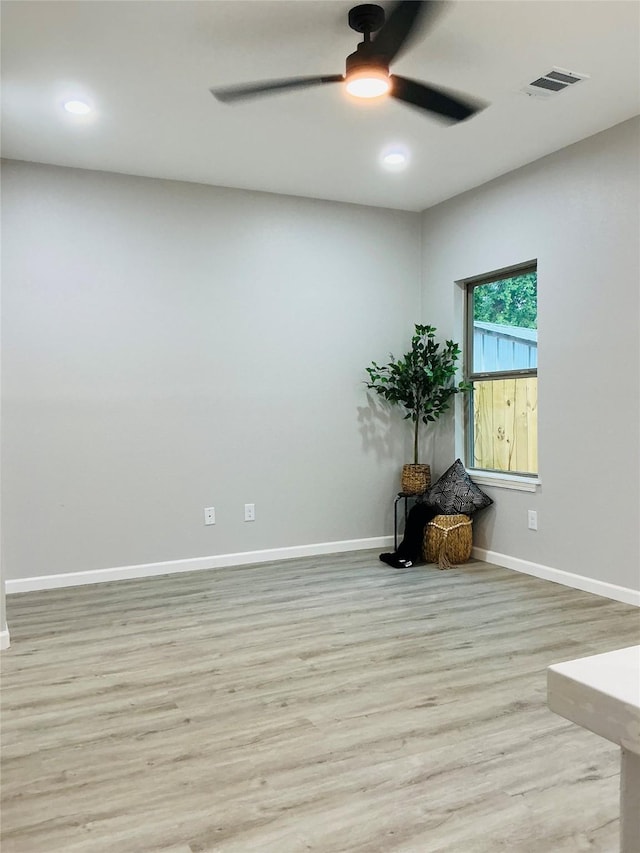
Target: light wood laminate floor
324, 704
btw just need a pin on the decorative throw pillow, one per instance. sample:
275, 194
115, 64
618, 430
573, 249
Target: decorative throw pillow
456, 493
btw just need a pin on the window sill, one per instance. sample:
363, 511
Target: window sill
504, 481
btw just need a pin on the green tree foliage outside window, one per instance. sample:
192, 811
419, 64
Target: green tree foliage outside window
508, 302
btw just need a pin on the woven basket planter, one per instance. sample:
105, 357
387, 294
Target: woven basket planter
448, 540
416, 479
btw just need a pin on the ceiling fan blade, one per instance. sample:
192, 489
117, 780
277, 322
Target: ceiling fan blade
403, 21
435, 100
229, 94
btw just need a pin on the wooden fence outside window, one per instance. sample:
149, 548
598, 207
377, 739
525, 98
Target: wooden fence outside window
505, 415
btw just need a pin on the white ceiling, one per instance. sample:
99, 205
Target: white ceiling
147, 67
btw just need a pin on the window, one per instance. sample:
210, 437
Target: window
502, 367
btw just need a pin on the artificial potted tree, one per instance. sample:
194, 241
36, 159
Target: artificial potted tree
423, 383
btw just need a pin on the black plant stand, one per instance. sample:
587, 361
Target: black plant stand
405, 496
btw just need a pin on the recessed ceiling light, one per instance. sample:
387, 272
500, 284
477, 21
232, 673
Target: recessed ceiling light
394, 158
78, 108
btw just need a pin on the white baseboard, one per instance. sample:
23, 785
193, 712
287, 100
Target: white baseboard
606, 590
192, 565
5, 640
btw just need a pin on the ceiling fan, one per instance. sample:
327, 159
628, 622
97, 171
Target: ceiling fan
367, 70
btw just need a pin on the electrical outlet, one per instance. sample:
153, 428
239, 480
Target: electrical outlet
533, 519
249, 512
209, 515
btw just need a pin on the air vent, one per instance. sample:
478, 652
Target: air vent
553, 82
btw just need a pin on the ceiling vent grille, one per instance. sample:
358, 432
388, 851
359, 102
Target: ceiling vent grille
553, 82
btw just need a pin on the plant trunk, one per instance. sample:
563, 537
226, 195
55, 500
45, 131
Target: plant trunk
415, 439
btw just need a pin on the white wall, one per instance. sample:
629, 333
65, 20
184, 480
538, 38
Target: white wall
4, 631
172, 346
577, 213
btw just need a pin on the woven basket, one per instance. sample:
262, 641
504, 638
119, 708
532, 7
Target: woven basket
448, 540
416, 479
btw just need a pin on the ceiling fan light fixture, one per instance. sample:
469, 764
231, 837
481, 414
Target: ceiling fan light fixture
368, 83
367, 77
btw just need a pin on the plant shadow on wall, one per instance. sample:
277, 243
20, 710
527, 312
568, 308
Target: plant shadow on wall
379, 430
423, 383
